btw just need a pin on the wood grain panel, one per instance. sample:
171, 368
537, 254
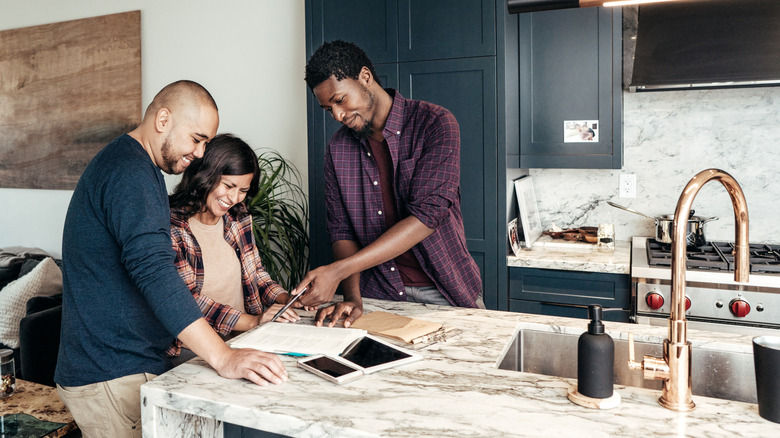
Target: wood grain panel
66, 89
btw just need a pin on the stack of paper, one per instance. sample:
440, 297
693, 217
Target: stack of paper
287, 338
396, 326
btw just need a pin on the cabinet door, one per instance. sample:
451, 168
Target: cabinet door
435, 29
371, 24
467, 87
570, 70
321, 128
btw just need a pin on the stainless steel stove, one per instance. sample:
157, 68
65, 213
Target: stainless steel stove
714, 300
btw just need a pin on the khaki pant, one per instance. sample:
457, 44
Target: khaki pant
107, 409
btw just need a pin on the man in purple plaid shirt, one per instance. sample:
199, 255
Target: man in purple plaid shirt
392, 176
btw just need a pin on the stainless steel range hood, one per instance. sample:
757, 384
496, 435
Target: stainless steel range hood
710, 44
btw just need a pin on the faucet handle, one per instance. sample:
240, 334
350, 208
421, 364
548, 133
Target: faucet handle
632, 364
653, 368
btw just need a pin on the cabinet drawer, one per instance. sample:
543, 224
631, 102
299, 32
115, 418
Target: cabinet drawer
567, 310
569, 287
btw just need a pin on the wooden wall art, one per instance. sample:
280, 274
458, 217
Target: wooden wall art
66, 90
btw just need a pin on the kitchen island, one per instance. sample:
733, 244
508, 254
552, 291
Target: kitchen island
457, 390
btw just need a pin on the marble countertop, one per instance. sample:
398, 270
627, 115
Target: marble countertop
549, 253
455, 391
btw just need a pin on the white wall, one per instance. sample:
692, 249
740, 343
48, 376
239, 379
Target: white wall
250, 54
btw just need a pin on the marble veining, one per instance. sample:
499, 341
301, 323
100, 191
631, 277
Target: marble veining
668, 137
547, 253
456, 391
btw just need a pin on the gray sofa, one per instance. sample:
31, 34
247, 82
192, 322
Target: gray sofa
39, 330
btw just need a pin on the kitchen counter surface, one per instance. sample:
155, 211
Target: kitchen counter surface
548, 253
455, 391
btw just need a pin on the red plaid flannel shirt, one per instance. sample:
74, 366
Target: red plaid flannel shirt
258, 286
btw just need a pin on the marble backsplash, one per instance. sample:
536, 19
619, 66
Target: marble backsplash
669, 137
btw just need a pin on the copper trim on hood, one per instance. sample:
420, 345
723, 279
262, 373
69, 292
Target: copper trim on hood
521, 6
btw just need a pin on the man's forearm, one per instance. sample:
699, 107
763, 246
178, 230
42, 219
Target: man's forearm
201, 338
400, 238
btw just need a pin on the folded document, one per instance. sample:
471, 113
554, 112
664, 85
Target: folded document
396, 326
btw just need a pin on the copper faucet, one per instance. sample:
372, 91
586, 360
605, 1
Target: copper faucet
675, 366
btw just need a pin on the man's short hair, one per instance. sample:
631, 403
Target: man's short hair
340, 59
182, 91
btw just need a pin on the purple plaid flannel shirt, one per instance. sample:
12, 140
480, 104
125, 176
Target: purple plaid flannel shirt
424, 143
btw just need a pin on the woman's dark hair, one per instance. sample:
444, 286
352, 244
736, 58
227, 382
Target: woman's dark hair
337, 58
225, 155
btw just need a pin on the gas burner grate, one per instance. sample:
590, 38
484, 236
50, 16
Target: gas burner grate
717, 256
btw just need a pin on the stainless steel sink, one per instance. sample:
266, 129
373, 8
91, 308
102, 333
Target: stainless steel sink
719, 374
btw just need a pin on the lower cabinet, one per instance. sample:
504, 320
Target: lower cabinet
568, 293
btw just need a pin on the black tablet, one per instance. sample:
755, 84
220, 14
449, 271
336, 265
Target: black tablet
372, 354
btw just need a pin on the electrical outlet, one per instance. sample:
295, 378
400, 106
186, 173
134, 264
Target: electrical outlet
627, 185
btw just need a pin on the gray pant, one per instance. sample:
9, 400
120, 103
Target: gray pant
431, 295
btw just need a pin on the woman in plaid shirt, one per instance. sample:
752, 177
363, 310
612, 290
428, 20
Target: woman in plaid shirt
211, 231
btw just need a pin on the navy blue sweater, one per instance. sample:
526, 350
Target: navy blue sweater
123, 300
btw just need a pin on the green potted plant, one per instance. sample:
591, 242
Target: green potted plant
280, 219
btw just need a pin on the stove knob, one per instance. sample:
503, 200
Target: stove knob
687, 303
739, 308
654, 300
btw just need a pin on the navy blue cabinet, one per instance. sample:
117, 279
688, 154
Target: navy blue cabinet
510, 80
568, 293
467, 87
372, 22
570, 69
435, 29
440, 52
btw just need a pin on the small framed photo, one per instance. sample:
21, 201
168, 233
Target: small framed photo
580, 131
528, 210
514, 238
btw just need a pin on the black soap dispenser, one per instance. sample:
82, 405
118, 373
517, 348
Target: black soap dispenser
595, 358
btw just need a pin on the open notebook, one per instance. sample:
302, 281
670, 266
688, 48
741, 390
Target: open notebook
286, 338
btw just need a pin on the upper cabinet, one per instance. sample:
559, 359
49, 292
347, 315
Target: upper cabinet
435, 29
372, 22
570, 67
407, 30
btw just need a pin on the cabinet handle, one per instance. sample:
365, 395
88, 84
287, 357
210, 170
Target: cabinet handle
581, 306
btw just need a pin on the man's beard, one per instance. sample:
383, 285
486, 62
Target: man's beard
366, 130
169, 160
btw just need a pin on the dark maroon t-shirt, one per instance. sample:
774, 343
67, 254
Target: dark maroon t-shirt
408, 266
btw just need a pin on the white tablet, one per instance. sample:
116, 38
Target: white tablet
329, 368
